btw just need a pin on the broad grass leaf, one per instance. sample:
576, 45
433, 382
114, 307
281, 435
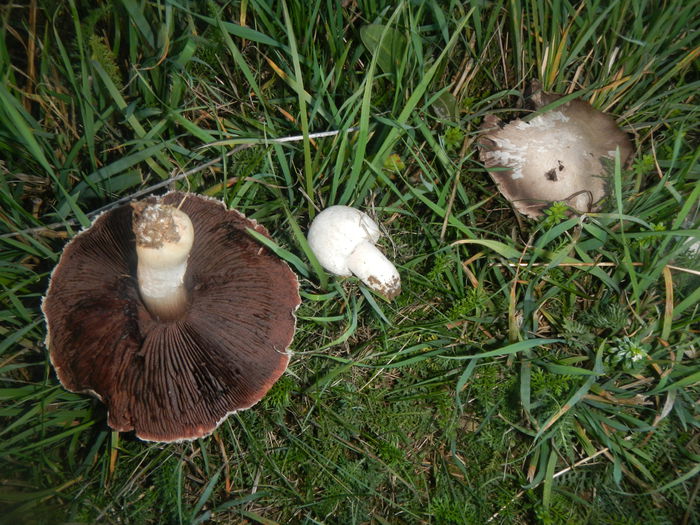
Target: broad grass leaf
386, 43
501, 249
445, 106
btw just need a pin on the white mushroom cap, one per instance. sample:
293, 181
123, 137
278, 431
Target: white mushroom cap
555, 156
342, 239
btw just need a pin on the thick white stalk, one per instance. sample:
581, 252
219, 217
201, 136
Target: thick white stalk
164, 237
374, 269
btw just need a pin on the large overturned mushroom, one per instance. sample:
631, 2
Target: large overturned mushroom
172, 314
555, 156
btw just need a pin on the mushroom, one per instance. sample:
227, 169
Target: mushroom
343, 240
171, 314
555, 156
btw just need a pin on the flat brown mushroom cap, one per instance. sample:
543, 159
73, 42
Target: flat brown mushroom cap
555, 156
172, 380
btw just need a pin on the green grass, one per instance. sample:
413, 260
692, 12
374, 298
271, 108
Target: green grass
500, 387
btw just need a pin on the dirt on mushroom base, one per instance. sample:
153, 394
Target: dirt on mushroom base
389, 290
161, 226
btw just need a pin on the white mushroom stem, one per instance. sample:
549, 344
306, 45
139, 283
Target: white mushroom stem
373, 268
164, 237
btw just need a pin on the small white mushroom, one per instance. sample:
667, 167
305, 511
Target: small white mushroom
343, 240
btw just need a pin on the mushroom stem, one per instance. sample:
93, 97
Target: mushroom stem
375, 270
164, 237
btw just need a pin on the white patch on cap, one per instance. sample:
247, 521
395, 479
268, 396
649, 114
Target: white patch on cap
510, 155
